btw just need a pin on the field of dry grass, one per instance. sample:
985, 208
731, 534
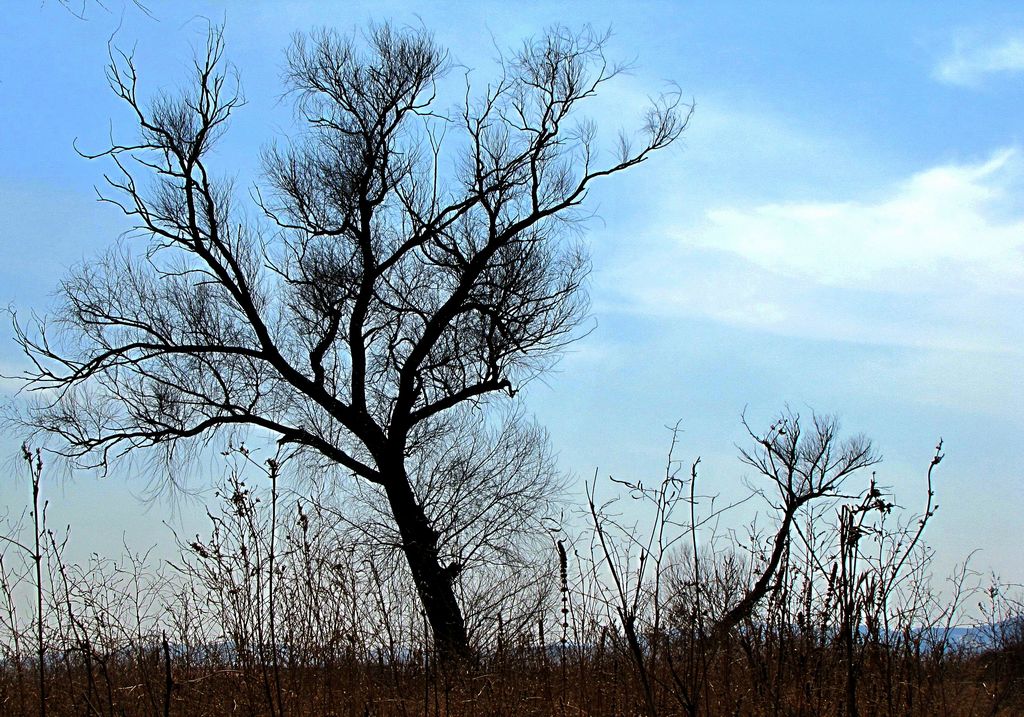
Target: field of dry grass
741, 680
280, 610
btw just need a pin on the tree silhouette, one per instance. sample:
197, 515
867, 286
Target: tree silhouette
410, 263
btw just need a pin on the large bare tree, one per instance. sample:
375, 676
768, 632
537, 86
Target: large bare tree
411, 262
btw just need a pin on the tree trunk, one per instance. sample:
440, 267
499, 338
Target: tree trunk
434, 583
745, 607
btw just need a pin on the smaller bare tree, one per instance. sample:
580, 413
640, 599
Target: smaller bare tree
799, 467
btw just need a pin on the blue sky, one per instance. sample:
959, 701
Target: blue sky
841, 228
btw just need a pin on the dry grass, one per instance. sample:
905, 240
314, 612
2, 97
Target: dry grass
518, 682
279, 611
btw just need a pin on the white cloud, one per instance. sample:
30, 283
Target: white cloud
973, 59
939, 219
936, 260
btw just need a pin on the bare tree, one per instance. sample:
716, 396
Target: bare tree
803, 466
410, 261
710, 592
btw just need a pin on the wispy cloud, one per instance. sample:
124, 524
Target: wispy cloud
973, 58
946, 217
935, 260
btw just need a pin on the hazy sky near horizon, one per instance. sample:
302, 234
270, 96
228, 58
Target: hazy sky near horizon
840, 228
